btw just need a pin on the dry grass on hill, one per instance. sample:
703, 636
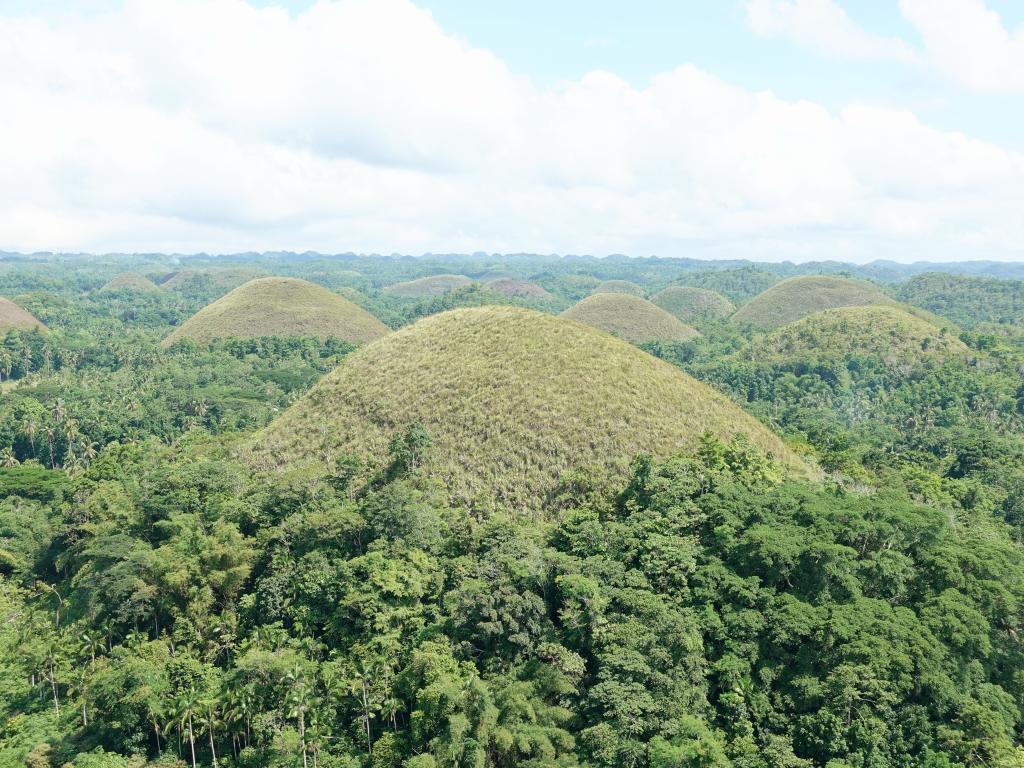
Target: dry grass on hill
693, 305
13, 317
801, 296
130, 281
512, 400
434, 285
280, 306
889, 333
631, 318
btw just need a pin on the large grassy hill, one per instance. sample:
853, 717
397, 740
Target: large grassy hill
280, 306
631, 318
512, 399
967, 300
130, 281
692, 305
13, 317
801, 296
889, 333
433, 285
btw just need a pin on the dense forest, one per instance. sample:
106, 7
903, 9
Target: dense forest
851, 599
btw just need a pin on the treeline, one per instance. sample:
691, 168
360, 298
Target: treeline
168, 603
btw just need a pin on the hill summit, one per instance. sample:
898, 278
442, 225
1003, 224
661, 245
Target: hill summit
434, 285
888, 333
801, 296
280, 306
512, 400
631, 318
13, 317
692, 305
619, 286
130, 281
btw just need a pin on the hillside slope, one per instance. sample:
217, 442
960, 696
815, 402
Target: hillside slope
619, 286
801, 296
130, 281
512, 399
13, 317
889, 333
691, 304
434, 285
967, 300
631, 318
280, 306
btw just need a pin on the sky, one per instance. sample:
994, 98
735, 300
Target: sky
762, 129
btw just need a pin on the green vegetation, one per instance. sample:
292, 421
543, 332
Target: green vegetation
497, 388
619, 286
13, 317
280, 306
967, 300
738, 285
693, 305
886, 333
498, 538
636, 320
130, 281
434, 285
801, 296
212, 282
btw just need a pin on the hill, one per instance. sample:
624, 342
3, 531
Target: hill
738, 285
889, 333
434, 285
631, 318
619, 286
801, 296
965, 300
13, 317
691, 304
130, 281
519, 288
210, 281
512, 399
280, 306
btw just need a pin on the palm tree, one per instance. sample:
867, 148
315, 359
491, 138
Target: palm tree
299, 702
210, 720
90, 642
8, 459
30, 428
185, 707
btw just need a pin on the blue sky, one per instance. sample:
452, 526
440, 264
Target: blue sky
911, 112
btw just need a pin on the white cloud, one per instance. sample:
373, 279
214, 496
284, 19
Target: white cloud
967, 42
826, 27
361, 125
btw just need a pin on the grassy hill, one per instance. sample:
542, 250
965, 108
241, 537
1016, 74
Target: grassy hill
210, 282
619, 286
519, 288
631, 318
130, 281
889, 333
434, 285
966, 300
691, 304
738, 285
13, 317
280, 306
801, 296
512, 400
